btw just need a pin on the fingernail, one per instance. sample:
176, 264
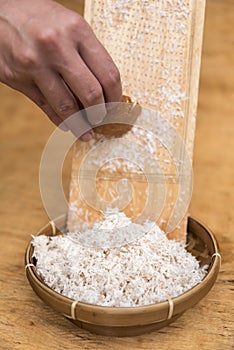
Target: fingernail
96, 114
87, 137
111, 105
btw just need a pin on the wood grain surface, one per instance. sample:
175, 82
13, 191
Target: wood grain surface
25, 322
159, 64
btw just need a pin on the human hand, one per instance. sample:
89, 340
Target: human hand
51, 54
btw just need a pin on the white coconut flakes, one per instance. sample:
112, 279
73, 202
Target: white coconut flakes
148, 270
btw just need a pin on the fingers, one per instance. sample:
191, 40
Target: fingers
85, 87
34, 94
57, 94
64, 103
102, 66
77, 123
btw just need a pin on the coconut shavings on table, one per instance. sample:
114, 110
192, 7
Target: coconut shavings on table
148, 270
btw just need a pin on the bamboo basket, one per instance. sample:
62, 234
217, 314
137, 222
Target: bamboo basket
121, 321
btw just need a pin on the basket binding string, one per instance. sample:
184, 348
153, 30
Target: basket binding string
29, 265
73, 309
53, 227
219, 256
171, 309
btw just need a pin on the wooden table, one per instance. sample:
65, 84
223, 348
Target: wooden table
26, 323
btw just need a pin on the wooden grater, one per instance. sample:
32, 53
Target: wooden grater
157, 48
